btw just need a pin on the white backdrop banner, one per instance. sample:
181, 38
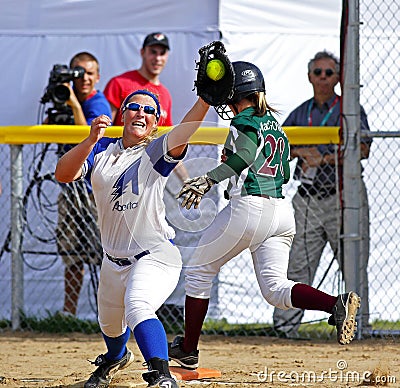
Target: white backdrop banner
279, 36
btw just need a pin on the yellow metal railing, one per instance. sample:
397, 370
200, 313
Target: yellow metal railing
72, 134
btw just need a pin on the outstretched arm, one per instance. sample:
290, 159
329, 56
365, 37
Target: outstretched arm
69, 166
179, 137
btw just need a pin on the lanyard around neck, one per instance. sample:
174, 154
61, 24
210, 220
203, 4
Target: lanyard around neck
326, 117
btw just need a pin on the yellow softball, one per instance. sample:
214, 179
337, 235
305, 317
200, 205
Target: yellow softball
215, 69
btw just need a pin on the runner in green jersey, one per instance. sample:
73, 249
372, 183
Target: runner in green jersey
256, 162
256, 155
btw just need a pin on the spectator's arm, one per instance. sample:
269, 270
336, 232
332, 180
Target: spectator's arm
79, 117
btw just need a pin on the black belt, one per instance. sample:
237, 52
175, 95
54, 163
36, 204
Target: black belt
310, 191
261, 195
226, 195
124, 261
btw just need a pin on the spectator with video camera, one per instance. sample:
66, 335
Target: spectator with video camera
78, 239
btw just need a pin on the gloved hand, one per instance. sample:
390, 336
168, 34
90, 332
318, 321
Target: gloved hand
193, 190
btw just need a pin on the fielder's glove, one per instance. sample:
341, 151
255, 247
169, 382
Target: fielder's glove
193, 190
214, 92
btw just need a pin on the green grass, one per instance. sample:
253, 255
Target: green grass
57, 323
385, 325
315, 330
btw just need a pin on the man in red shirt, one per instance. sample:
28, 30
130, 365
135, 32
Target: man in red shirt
154, 55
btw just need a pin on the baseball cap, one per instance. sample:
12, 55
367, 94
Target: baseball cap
156, 38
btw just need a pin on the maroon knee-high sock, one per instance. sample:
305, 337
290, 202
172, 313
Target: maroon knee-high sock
309, 298
195, 313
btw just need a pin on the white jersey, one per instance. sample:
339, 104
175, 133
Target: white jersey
128, 186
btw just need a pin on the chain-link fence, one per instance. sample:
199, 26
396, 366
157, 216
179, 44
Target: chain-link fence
380, 95
59, 246
236, 298
42, 275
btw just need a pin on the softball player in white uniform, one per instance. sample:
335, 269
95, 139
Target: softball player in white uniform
141, 265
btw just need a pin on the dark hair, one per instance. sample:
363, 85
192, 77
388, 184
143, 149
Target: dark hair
84, 55
324, 55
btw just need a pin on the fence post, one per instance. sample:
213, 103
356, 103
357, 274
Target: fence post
17, 278
351, 145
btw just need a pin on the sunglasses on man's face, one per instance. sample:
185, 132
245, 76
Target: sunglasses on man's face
133, 106
318, 72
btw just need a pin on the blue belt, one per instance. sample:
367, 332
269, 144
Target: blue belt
124, 261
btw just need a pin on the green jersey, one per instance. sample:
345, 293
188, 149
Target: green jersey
258, 153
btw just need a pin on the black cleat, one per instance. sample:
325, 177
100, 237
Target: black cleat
344, 317
106, 370
186, 360
159, 374
156, 380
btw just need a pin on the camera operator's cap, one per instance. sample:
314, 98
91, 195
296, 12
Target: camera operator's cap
156, 38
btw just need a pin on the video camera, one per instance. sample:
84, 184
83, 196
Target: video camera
55, 90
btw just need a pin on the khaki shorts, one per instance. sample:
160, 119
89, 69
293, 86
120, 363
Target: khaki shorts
78, 237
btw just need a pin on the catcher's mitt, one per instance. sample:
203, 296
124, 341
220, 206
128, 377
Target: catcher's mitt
214, 92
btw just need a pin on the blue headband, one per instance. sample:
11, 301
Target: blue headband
147, 93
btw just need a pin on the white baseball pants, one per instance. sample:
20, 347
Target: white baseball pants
132, 294
264, 225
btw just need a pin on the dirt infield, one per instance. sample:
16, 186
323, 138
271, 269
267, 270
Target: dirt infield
38, 360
